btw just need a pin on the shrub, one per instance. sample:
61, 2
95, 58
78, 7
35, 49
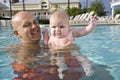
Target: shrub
43, 21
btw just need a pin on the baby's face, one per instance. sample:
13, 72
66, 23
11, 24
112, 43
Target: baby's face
59, 27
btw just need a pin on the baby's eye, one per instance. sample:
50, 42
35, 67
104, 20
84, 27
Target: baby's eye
61, 26
27, 24
53, 26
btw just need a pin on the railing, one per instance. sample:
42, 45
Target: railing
5, 22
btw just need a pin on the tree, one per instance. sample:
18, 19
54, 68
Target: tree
84, 10
74, 11
98, 7
15, 1
117, 11
56, 6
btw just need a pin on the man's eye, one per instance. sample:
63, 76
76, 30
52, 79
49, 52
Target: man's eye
27, 24
61, 26
34, 22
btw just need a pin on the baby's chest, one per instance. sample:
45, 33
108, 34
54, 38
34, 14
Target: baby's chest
61, 41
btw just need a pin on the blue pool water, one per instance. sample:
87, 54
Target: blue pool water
102, 47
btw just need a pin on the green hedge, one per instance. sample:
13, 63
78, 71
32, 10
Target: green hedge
44, 21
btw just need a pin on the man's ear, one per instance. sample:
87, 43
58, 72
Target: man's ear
16, 33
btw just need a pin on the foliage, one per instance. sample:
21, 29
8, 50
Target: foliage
117, 11
56, 6
84, 10
15, 0
98, 7
74, 11
43, 21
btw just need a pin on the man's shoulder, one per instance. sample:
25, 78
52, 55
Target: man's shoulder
12, 48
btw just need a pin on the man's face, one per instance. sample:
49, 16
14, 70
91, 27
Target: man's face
28, 29
59, 27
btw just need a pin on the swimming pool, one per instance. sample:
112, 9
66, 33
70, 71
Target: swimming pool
102, 47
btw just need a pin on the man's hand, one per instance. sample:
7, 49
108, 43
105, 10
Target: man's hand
45, 36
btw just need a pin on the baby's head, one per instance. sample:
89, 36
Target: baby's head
59, 23
59, 18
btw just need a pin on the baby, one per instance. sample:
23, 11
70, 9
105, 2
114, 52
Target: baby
62, 36
61, 33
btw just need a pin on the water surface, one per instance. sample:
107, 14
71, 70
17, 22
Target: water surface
101, 48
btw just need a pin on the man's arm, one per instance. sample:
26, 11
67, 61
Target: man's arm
45, 38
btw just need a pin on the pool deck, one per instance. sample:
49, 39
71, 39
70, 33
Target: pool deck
82, 24
75, 23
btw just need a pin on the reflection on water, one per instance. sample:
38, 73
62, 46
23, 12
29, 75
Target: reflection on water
34, 63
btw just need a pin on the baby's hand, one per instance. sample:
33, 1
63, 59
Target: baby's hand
93, 20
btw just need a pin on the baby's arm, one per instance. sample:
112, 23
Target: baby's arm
87, 29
